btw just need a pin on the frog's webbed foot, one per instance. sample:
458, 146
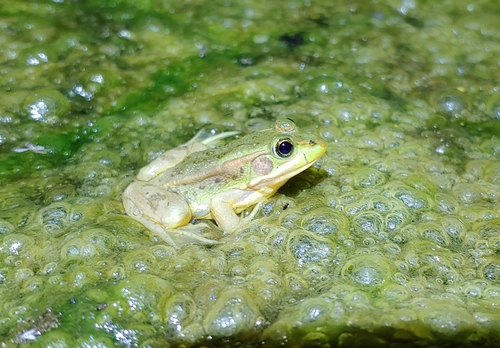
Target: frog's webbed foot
177, 237
199, 233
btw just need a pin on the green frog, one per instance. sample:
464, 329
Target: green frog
193, 182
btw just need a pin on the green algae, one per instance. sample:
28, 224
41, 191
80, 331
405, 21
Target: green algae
393, 238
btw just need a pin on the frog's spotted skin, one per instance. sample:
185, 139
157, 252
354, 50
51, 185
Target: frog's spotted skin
194, 182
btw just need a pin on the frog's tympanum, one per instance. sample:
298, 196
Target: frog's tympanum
193, 182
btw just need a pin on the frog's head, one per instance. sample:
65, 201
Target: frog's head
287, 153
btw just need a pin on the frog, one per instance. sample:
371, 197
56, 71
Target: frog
202, 180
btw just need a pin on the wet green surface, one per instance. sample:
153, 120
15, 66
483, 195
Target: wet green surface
392, 238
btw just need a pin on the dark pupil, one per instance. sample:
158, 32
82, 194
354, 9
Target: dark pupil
285, 148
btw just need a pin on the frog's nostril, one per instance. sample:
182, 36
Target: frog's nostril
312, 142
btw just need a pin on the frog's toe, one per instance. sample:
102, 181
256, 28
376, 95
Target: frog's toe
246, 220
178, 237
161, 232
187, 237
199, 233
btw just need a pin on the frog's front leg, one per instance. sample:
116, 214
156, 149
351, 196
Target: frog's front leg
165, 213
223, 206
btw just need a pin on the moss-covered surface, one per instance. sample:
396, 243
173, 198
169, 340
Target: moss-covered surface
392, 238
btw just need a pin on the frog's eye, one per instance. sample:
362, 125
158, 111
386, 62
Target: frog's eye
284, 148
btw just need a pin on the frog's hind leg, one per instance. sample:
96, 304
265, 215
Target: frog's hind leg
170, 158
206, 138
165, 213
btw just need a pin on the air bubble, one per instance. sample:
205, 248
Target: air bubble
6, 227
368, 224
46, 106
179, 311
306, 247
325, 222
315, 310
368, 270
141, 293
491, 271
233, 312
